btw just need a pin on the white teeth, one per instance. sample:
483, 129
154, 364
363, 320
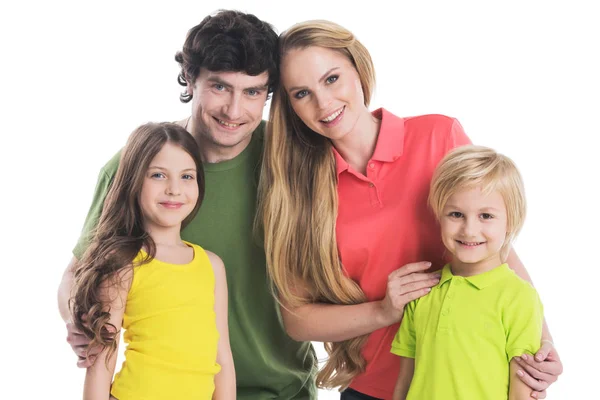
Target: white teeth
333, 116
228, 124
470, 243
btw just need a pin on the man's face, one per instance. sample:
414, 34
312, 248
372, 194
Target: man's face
226, 108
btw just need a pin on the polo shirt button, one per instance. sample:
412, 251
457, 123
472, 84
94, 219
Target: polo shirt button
372, 165
445, 312
371, 185
449, 295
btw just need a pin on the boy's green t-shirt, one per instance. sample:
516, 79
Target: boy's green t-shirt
268, 363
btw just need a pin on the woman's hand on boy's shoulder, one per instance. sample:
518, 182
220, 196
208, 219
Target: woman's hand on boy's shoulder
404, 285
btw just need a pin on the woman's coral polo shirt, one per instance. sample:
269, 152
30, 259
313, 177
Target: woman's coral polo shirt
384, 221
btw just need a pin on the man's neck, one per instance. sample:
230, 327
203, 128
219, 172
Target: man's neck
213, 154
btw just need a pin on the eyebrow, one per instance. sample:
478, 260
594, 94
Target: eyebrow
228, 85
448, 205
489, 209
320, 79
165, 169
484, 209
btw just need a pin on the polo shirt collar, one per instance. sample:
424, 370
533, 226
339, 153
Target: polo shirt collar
390, 142
480, 281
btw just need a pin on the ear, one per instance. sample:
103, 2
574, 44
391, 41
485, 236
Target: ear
189, 89
359, 89
191, 84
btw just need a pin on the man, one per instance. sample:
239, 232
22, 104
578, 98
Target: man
229, 66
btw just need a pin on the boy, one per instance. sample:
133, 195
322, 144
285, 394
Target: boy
458, 342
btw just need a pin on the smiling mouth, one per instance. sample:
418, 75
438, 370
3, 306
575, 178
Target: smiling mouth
169, 204
226, 124
470, 244
333, 115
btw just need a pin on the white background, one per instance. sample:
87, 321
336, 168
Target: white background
77, 78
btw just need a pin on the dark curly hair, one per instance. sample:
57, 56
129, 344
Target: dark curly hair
229, 41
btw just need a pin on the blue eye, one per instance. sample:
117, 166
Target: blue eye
157, 175
332, 78
301, 94
252, 92
219, 87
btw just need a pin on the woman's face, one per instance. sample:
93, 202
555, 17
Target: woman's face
324, 90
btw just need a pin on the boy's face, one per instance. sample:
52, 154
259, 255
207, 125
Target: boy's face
474, 230
226, 108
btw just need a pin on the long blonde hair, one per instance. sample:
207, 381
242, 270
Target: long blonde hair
299, 201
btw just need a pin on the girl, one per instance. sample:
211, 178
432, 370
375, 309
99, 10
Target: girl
462, 336
344, 202
139, 274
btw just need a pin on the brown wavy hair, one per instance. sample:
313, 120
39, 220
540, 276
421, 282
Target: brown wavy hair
120, 233
299, 201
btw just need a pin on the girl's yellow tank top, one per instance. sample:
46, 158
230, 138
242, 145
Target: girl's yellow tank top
170, 331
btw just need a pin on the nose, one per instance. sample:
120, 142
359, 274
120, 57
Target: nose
233, 108
323, 99
172, 188
470, 227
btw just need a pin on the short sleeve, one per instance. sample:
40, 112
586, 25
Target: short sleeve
523, 319
458, 137
105, 179
405, 341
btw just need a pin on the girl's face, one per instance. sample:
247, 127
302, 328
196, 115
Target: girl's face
474, 230
324, 90
170, 190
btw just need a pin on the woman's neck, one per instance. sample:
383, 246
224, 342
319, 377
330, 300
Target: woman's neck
358, 146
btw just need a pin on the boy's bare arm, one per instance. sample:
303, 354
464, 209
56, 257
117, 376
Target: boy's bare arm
517, 388
407, 369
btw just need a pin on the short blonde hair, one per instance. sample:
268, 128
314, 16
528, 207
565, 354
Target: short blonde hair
477, 166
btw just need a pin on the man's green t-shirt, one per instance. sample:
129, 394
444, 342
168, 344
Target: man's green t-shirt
268, 363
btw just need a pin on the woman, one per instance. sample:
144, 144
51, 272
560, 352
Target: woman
344, 207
